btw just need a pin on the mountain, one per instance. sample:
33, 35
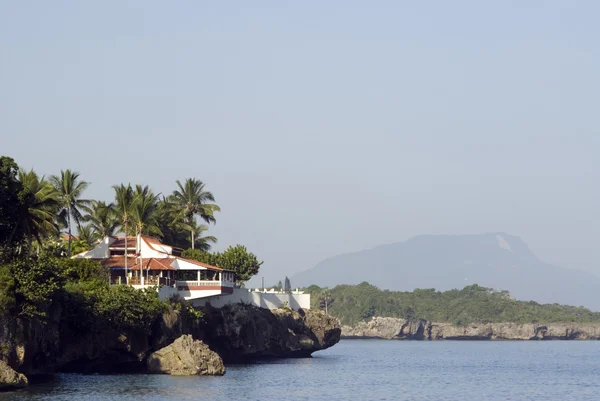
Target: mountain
443, 262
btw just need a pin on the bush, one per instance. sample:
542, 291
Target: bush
37, 282
7, 290
124, 307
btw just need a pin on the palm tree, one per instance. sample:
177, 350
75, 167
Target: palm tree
144, 211
123, 200
192, 199
124, 197
102, 219
203, 243
175, 231
70, 190
86, 235
38, 206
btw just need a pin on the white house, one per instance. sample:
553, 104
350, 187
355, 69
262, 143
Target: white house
145, 262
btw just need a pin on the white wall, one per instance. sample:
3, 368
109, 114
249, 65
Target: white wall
260, 299
148, 251
166, 292
100, 251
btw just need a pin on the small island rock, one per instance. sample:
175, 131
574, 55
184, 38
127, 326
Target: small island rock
186, 357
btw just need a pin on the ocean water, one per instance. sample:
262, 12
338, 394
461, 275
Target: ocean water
367, 370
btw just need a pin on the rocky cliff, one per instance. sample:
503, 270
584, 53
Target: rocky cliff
392, 328
235, 332
240, 332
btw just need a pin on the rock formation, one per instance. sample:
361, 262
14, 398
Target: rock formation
241, 332
236, 333
9, 379
392, 328
186, 357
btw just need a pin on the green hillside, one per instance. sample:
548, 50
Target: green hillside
472, 304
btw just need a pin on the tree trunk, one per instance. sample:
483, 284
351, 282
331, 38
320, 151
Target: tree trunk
192, 232
69, 224
126, 272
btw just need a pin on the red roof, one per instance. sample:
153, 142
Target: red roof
115, 262
152, 263
155, 264
120, 243
195, 262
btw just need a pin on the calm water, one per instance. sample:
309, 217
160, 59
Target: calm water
368, 370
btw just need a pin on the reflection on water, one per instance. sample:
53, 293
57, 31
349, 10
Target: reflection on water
366, 370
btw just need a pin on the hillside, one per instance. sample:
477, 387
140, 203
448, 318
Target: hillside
472, 304
446, 262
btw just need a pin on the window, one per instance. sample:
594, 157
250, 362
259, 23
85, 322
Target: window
186, 275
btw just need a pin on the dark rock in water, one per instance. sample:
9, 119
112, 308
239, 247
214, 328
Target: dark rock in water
9, 379
241, 332
186, 357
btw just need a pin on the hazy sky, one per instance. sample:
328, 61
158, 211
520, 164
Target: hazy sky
321, 127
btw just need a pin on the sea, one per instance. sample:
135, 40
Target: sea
365, 370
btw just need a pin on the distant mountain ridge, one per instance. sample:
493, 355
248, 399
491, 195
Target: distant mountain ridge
497, 260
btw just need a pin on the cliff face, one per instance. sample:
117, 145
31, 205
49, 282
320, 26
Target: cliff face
392, 328
236, 333
240, 332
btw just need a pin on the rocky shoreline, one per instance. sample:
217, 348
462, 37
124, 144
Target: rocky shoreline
400, 329
176, 344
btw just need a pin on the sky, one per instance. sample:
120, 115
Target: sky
321, 127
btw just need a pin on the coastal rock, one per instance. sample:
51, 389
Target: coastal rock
377, 327
393, 328
9, 379
186, 357
236, 333
242, 332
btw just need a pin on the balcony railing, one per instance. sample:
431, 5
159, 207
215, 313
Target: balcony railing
149, 281
203, 283
165, 281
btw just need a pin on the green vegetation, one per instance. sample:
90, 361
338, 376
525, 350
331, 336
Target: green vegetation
472, 304
189, 200
39, 282
287, 286
32, 287
236, 258
69, 189
34, 212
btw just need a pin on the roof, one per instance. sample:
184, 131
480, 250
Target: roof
116, 262
154, 241
155, 264
151, 263
120, 242
195, 262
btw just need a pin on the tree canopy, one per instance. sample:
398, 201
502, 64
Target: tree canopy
70, 190
472, 304
236, 258
35, 212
